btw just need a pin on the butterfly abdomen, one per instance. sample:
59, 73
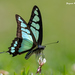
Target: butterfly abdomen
39, 49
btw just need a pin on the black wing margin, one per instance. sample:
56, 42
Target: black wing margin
36, 19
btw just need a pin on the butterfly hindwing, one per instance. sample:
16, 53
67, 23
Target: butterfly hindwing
35, 24
19, 46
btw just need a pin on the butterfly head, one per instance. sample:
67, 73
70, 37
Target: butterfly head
41, 47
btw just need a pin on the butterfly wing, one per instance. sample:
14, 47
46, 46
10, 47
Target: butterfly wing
35, 24
25, 39
28, 35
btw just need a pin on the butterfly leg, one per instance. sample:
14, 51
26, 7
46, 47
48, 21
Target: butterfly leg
28, 54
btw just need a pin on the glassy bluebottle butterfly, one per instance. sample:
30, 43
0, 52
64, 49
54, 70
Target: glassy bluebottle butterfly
29, 36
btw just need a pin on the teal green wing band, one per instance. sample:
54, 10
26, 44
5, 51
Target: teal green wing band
25, 45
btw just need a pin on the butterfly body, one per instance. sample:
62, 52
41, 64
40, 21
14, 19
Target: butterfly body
37, 51
29, 36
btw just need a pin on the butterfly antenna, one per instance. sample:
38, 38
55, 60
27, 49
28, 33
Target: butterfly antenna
3, 52
51, 43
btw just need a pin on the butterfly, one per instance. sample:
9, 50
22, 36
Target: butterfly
29, 35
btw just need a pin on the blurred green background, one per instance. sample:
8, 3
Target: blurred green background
58, 24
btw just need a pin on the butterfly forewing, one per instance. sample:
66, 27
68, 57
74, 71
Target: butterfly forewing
35, 24
24, 29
